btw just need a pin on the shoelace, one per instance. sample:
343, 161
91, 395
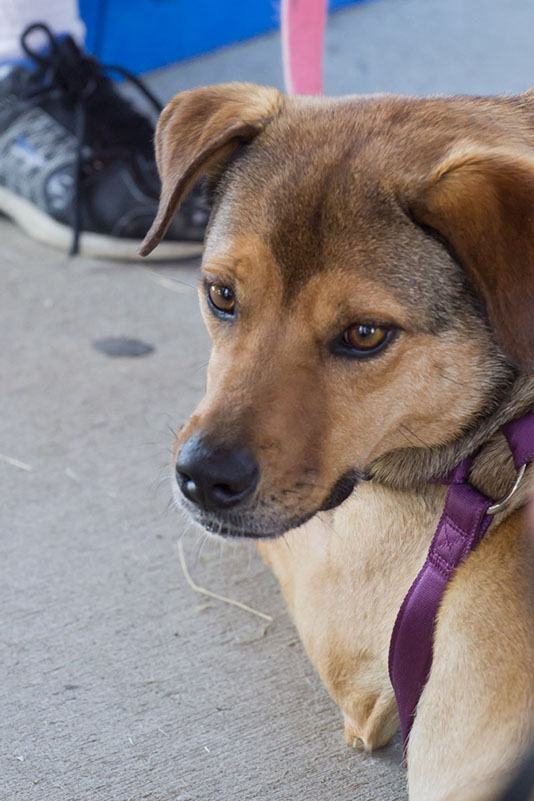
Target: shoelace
65, 71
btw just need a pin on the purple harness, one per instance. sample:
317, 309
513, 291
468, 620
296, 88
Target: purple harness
466, 517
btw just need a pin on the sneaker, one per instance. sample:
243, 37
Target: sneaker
77, 169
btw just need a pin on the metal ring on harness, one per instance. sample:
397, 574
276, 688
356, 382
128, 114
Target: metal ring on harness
496, 507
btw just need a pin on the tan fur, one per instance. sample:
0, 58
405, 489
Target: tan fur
336, 212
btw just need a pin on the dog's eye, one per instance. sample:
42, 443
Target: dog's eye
362, 339
221, 298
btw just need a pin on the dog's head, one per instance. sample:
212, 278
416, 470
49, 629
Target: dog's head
366, 281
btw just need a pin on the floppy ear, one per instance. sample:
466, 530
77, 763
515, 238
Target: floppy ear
482, 203
199, 129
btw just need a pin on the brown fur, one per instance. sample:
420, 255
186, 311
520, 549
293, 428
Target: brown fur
475, 185
412, 213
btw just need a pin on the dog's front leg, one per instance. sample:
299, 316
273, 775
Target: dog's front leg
304, 563
344, 576
322, 611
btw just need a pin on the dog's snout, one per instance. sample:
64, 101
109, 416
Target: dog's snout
215, 478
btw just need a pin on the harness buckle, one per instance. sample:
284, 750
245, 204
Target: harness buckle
498, 505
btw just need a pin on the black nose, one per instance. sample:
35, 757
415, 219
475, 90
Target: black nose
215, 478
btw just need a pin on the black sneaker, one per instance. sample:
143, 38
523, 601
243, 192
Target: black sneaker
77, 168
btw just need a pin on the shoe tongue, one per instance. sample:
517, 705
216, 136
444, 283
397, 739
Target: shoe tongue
113, 122
74, 70
69, 49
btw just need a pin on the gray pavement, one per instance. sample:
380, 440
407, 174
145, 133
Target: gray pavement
406, 46
120, 683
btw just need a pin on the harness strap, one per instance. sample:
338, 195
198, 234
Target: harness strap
303, 24
463, 524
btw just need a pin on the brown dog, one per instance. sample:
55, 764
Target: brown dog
368, 283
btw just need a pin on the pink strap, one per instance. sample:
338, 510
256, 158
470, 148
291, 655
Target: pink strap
303, 23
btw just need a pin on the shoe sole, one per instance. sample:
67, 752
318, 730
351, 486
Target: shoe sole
40, 226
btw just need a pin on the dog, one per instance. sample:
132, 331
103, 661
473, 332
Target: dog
368, 285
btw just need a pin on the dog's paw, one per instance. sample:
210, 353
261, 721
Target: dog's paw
374, 729
356, 738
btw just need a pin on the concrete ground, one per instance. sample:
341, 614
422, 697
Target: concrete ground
119, 681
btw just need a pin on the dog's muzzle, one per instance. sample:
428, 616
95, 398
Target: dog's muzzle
218, 485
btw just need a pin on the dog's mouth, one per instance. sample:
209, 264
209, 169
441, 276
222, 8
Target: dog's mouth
247, 524
341, 490
229, 530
